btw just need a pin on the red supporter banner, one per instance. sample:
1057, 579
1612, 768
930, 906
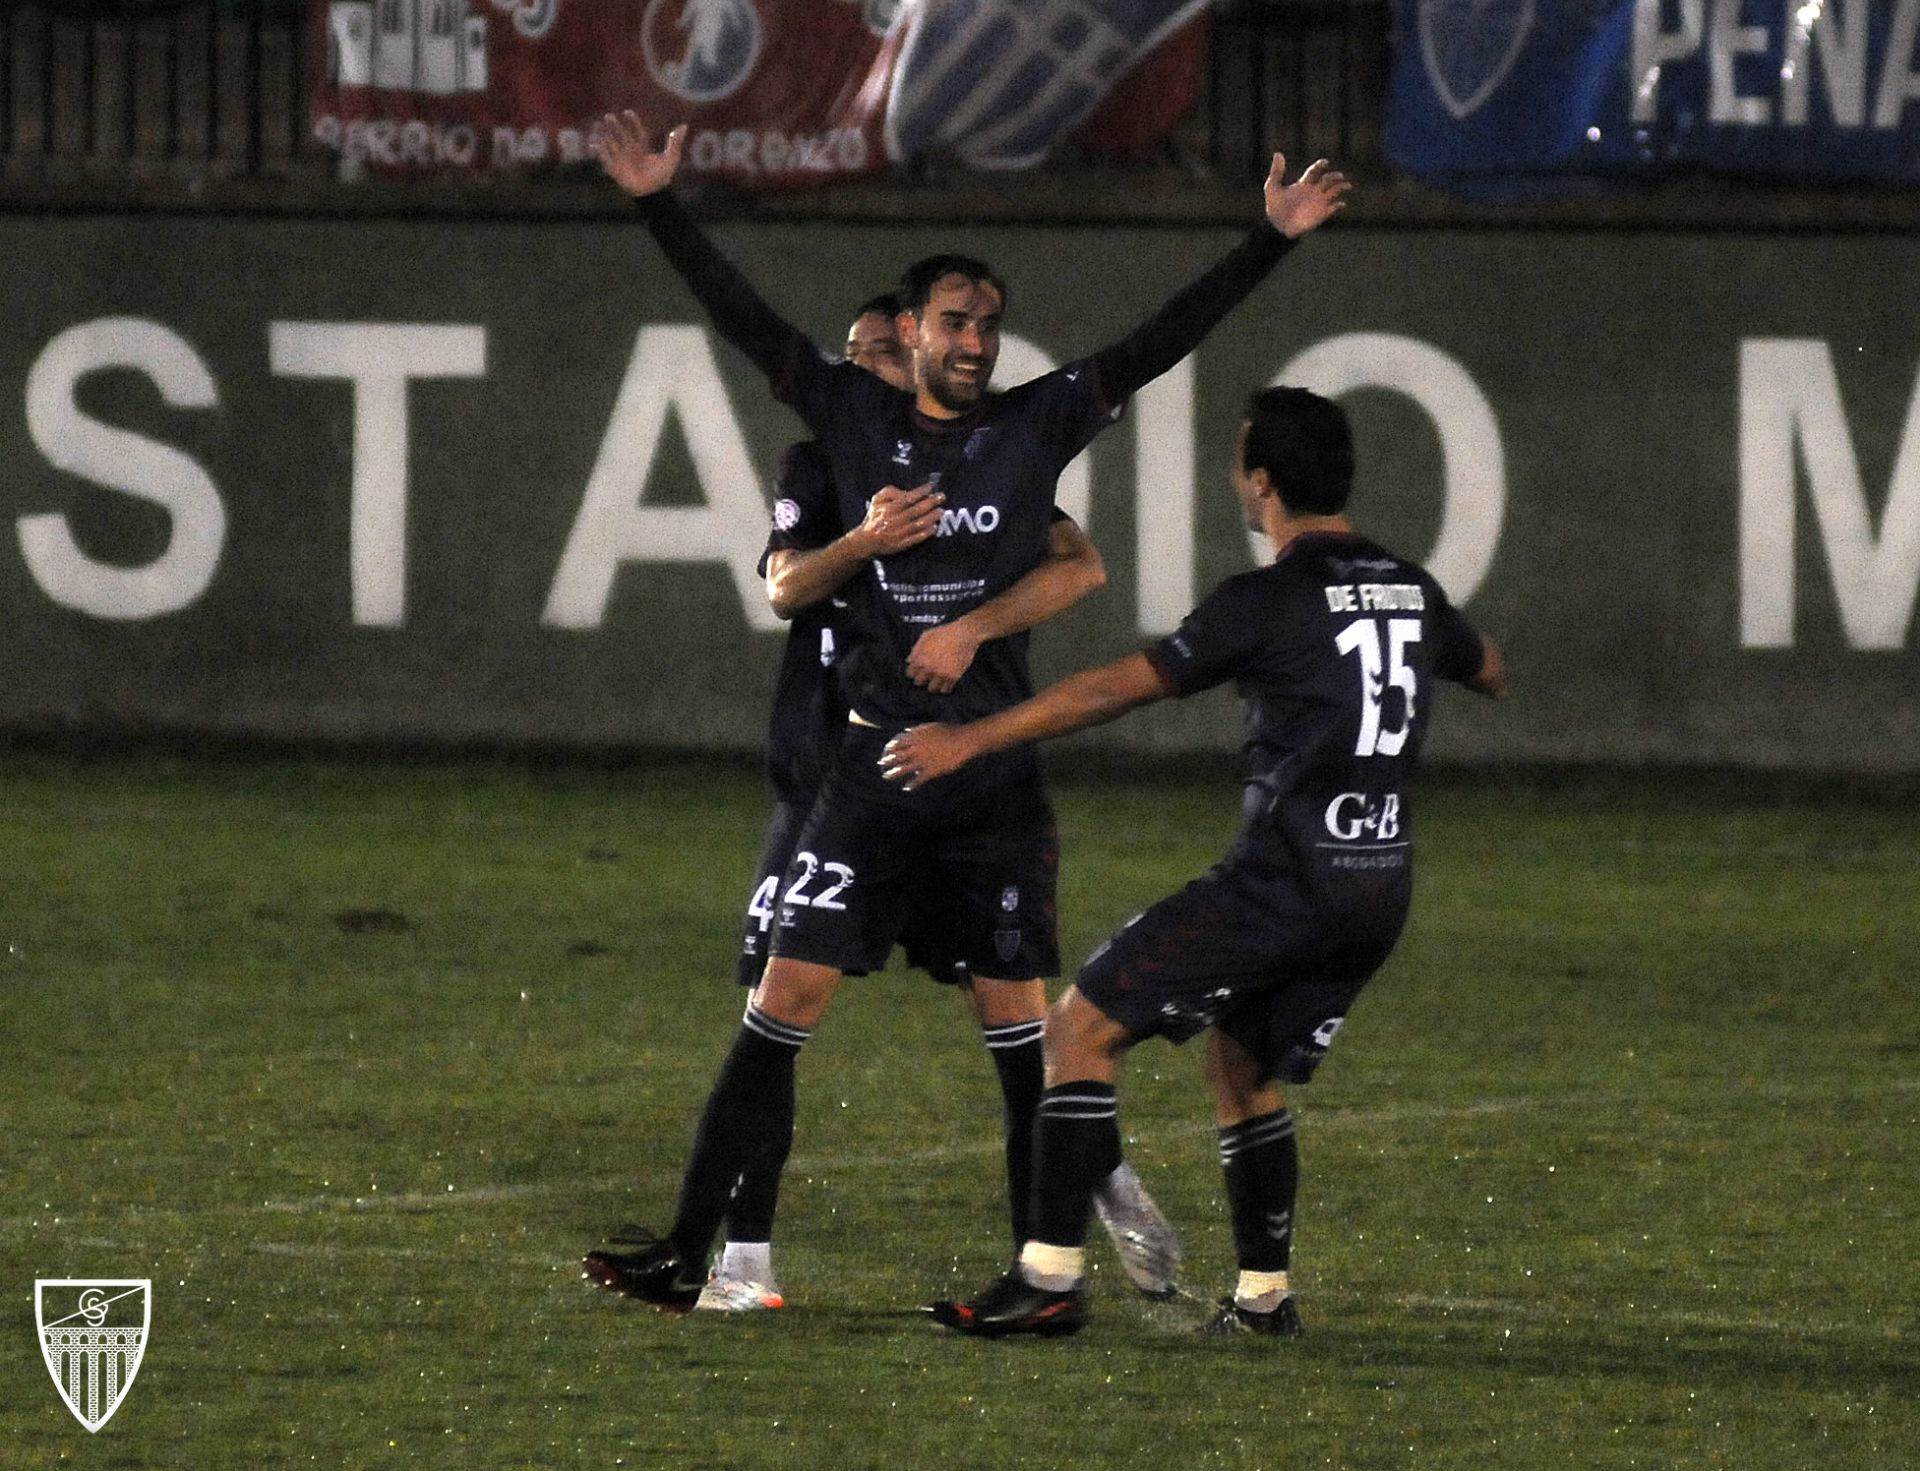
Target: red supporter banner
779, 94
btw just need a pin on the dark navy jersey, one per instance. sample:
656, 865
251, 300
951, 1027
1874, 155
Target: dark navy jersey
996, 466
809, 714
1334, 649
809, 711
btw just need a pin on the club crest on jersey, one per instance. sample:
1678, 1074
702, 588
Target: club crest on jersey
701, 50
93, 1335
903, 451
977, 443
786, 514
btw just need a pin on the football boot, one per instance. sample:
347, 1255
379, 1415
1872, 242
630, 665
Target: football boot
1282, 1322
654, 1273
1014, 1305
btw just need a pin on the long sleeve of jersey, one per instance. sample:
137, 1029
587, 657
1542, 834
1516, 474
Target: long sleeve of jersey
1178, 327
775, 346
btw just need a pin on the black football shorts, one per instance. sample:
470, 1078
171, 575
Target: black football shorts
923, 937
965, 869
1251, 954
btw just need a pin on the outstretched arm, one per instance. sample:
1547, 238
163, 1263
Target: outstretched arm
1290, 211
1071, 569
915, 757
626, 152
896, 519
1491, 678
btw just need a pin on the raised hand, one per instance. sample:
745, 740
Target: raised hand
626, 152
1309, 201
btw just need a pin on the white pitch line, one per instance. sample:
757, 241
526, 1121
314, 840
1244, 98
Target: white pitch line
1486, 1307
431, 1200
422, 1200
825, 1164
1647, 1316
330, 1250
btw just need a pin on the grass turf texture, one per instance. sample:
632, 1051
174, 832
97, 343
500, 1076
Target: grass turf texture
1614, 1166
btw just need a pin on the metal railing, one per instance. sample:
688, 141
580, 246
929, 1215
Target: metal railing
150, 91
1291, 76
205, 102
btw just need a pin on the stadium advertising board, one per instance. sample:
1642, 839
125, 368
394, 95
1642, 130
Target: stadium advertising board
441, 482
1516, 97
777, 94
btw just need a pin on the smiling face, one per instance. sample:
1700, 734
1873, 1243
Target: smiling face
873, 343
954, 342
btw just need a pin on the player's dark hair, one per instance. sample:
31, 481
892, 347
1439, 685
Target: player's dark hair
886, 304
1304, 444
919, 279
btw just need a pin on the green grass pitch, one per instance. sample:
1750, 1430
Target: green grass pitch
1614, 1166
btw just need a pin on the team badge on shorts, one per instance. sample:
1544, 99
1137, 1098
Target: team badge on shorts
93, 1335
1009, 898
1006, 944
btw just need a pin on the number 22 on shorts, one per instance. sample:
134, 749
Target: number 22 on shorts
839, 875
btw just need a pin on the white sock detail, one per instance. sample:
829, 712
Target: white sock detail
1260, 1292
748, 1261
1052, 1268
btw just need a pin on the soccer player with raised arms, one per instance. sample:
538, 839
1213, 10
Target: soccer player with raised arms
804, 736
984, 468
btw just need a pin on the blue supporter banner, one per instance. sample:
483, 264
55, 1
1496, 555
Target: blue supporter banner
1515, 98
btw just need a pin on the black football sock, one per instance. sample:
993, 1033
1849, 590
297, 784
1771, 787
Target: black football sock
1261, 1159
1076, 1146
750, 1105
1015, 1050
756, 1199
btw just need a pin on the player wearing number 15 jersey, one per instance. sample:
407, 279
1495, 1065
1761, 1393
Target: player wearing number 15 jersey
1334, 649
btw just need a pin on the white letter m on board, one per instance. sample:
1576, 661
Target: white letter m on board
1790, 396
